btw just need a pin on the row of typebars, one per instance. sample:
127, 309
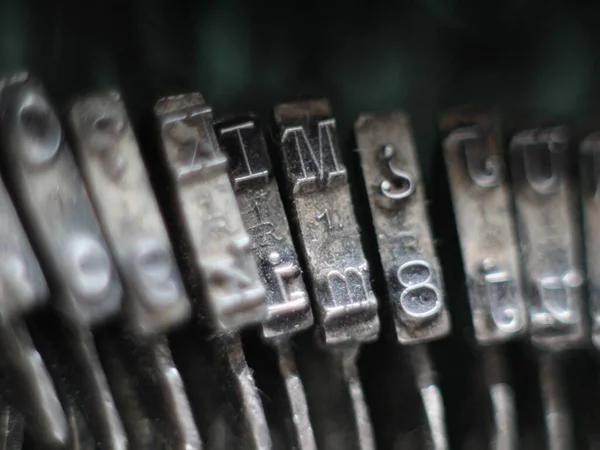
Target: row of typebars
215, 289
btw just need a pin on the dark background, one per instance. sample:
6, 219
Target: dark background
421, 56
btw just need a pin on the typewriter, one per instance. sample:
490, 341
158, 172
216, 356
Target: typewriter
242, 226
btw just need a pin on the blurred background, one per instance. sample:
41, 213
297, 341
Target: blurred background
419, 55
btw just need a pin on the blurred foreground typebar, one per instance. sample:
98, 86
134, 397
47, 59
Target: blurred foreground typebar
219, 246
288, 304
137, 357
24, 288
412, 271
483, 210
338, 274
43, 177
547, 210
589, 149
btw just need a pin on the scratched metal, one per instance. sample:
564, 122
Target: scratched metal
318, 192
589, 148
255, 433
115, 174
43, 178
397, 199
547, 212
436, 436
220, 246
483, 211
288, 305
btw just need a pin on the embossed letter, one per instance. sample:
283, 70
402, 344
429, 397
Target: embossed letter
315, 167
243, 170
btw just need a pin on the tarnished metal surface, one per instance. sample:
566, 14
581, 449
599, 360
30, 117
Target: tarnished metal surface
318, 192
257, 194
547, 207
288, 303
397, 199
114, 171
155, 297
483, 211
412, 271
220, 246
550, 242
231, 234
320, 201
221, 249
43, 177
589, 157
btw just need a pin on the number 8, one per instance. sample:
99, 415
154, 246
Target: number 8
420, 298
